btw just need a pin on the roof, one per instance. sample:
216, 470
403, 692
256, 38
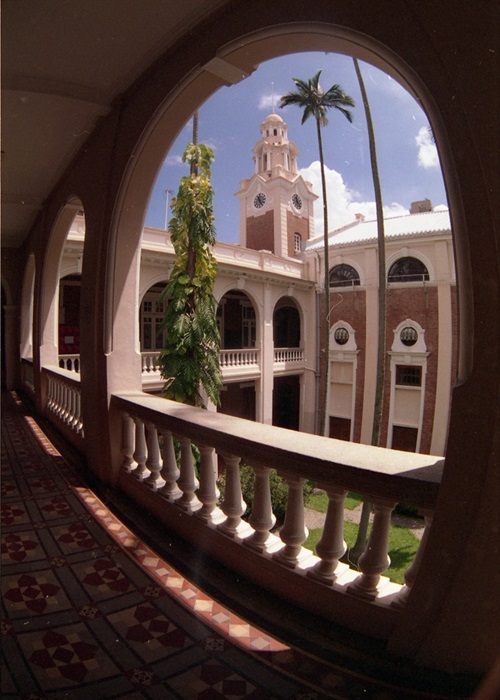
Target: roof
361, 231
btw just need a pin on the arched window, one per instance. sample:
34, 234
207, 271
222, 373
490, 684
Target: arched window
344, 276
408, 270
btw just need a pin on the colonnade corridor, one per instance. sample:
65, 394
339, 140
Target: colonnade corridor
91, 608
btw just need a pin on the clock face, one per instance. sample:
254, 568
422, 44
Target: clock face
259, 200
296, 201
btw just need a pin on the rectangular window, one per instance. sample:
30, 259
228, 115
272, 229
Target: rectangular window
340, 428
408, 375
404, 438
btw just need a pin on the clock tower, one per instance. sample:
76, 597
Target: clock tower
276, 204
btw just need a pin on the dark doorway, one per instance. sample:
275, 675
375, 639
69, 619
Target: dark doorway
238, 400
286, 402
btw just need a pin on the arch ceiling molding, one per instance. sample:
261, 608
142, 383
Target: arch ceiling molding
64, 64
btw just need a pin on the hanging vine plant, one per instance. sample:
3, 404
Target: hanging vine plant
189, 361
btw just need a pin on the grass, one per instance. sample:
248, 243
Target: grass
319, 501
403, 546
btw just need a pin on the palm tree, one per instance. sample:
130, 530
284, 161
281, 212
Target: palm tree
316, 103
361, 539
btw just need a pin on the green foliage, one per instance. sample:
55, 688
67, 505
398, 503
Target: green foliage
316, 103
278, 487
189, 360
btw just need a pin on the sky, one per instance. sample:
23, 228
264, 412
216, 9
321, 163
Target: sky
229, 122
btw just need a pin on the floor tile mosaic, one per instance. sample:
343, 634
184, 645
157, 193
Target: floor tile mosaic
91, 611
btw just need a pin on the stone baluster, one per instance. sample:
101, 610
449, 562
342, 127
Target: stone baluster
262, 518
128, 463
375, 559
140, 453
411, 572
170, 471
208, 493
233, 505
79, 426
187, 482
153, 463
294, 532
332, 545
72, 410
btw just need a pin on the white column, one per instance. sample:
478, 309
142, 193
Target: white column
267, 358
445, 349
371, 297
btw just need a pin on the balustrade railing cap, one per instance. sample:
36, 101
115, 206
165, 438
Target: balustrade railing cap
380, 471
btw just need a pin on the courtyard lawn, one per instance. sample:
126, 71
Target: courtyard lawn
403, 546
319, 501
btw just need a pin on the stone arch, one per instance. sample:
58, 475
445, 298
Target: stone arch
237, 331
234, 60
49, 295
287, 323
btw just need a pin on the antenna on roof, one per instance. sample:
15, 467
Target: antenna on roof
272, 98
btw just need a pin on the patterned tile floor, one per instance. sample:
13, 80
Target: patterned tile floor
91, 611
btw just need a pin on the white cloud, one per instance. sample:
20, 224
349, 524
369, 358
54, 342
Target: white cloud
173, 160
267, 101
427, 152
343, 203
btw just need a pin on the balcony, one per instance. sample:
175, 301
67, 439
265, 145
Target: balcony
187, 500
243, 363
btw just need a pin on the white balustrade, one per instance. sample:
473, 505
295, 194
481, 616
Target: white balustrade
187, 482
128, 442
170, 471
149, 461
244, 357
149, 362
64, 400
262, 518
331, 547
287, 355
294, 532
375, 559
233, 505
411, 572
153, 462
208, 493
70, 362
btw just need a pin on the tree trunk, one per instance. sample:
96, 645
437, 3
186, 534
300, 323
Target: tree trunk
326, 359
362, 537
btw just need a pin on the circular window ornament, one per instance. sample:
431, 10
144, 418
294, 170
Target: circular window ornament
408, 336
341, 335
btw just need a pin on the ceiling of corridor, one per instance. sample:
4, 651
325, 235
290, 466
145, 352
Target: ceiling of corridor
64, 63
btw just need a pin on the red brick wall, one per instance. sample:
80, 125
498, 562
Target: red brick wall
260, 232
296, 224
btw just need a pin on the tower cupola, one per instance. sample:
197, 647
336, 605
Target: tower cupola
274, 154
